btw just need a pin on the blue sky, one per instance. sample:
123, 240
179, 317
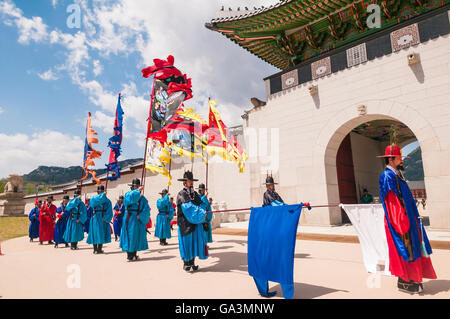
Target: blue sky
53, 75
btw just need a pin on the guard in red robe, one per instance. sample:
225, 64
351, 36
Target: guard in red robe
409, 248
47, 216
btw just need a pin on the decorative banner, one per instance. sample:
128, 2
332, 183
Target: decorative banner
115, 143
170, 90
356, 55
220, 141
321, 68
185, 131
157, 156
89, 152
164, 105
289, 79
405, 37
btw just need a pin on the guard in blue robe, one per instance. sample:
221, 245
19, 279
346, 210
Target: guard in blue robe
77, 217
191, 218
33, 230
119, 212
99, 229
204, 196
89, 212
133, 236
165, 216
271, 195
61, 224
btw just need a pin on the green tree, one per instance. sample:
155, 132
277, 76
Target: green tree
2, 185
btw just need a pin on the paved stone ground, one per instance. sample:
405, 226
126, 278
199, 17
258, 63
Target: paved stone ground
321, 270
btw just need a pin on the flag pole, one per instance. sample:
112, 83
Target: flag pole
170, 168
149, 125
207, 157
82, 167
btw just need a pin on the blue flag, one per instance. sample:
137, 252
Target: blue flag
114, 143
271, 246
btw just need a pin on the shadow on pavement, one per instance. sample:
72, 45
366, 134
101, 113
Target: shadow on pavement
434, 287
306, 291
228, 261
155, 258
302, 256
231, 241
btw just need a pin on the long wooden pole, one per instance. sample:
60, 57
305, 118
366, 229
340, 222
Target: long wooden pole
248, 209
170, 168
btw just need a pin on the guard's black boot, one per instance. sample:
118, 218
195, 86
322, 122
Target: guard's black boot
99, 249
40, 243
67, 245
115, 237
76, 246
409, 287
165, 242
194, 267
31, 239
186, 265
72, 246
136, 257
56, 246
129, 256
95, 249
51, 242
161, 242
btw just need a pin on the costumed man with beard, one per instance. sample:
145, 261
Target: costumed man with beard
204, 196
119, 212
408, 245
271, 197
165, 215
47, 218
61, 224
89, 212
191, 218
33, 230
77, 217
133, 236
99, 229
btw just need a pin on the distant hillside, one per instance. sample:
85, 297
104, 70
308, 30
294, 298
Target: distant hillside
413, 166
50, 175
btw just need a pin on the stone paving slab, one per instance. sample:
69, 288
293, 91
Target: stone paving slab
321, 270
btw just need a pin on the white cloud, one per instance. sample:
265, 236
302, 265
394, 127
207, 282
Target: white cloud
22, 153
48, 76
1, 110
103, 121
98, 68
54, 3
29, 29
218, 67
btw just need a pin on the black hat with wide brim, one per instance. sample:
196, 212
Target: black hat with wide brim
164, 192
269, 180
66, 197
188, 176
201, 186
135, 182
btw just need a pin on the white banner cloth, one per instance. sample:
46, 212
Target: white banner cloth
368, 221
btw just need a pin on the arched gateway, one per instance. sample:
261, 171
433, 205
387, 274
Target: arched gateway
329, 142
338, 72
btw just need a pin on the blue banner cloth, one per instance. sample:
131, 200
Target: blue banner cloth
272, 234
